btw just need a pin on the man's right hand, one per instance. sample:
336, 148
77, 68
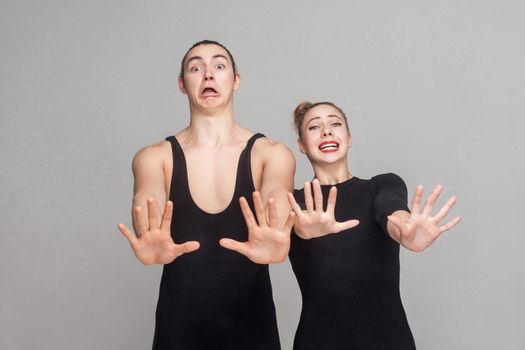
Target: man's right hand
153, 243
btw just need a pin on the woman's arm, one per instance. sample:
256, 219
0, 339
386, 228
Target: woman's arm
417, 230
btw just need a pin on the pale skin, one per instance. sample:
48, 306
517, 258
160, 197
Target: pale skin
415, 230
212, 144
314, 221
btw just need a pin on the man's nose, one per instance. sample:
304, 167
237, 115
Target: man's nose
208, 75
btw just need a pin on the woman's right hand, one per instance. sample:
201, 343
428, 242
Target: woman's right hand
153, 243
314, 222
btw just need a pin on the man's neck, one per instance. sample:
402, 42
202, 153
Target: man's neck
212, 128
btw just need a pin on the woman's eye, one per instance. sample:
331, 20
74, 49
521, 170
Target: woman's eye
313, 127
337, 124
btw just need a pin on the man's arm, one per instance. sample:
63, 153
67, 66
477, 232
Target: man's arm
269, 230
148, 172
277, 177
152, 242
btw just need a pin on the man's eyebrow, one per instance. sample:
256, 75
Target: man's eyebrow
221, 56
200, 58
193, 58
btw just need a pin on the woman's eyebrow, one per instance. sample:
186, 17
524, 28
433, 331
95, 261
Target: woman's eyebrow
312, 119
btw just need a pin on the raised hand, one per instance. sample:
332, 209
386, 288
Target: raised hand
267, 242
314, 222
153, 243
418, 231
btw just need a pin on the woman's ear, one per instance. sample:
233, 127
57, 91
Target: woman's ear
301, 146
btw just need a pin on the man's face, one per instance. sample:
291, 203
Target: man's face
209, 79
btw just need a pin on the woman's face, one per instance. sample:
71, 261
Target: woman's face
325, 137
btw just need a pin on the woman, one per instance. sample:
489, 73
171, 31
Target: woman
350, 280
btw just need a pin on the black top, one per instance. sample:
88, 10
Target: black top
213, 298
350, 280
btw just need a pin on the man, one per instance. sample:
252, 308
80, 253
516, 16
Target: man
210, 295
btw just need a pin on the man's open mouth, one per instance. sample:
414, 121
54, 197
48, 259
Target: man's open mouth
209, 91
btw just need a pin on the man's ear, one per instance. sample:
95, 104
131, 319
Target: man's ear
237, 82
181, 86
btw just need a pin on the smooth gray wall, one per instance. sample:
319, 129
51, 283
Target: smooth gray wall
434, 91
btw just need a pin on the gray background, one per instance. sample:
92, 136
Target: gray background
434, 92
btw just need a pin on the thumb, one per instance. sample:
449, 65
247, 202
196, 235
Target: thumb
239, 247
396, 221
186, 247
341, 226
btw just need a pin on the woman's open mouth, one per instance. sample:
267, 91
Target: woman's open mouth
328, 146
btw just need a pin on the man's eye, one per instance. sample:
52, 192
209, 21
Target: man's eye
221, 66
195, 69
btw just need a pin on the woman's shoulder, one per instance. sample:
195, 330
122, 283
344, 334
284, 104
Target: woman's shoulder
387, 181
386, 177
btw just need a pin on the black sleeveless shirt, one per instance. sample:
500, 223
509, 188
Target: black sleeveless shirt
213, 298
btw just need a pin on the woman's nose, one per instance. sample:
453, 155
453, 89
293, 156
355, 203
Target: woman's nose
327, 132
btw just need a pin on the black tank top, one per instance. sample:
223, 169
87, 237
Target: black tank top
213, 298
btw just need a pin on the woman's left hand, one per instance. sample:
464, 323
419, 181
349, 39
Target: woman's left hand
417, 231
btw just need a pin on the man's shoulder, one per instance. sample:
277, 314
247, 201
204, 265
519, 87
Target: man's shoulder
273, 153
157, 152
270, 148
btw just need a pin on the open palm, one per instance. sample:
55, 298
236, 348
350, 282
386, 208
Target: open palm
267, 242
153, 243
419, 230
314, 221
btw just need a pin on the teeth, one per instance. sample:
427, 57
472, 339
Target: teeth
329, 146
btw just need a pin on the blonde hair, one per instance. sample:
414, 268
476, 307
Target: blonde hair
304, 107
